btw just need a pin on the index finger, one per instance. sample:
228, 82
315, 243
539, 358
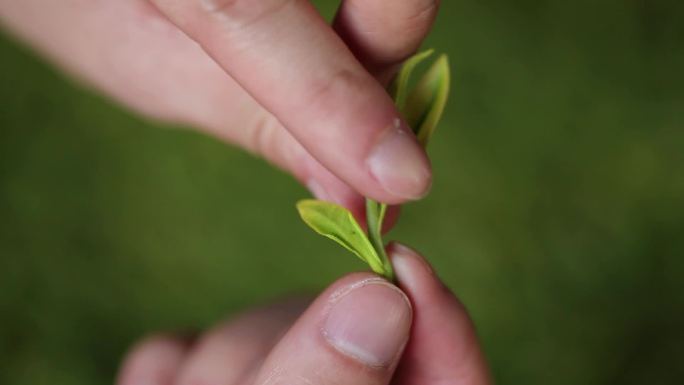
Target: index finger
443, 348
285, 55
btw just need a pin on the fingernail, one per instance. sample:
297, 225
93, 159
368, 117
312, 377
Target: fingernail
399, 164
317, 190
407, 262
410, 267
369, 322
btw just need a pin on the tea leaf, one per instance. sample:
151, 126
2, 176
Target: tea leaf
400, 84
425, 104
375, 210
422, 108
337, 223
375, 216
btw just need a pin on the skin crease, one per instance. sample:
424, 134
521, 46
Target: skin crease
166, 65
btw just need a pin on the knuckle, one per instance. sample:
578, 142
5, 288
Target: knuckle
261, 139
242, 12
268, 139
326, 94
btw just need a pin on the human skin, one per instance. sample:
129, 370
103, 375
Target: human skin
361, 330
272, 77
269, 76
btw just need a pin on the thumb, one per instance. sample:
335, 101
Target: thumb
354, 333
284, 54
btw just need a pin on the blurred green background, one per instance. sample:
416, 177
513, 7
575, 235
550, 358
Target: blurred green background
557, 212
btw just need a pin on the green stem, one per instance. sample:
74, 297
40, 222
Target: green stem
375, 215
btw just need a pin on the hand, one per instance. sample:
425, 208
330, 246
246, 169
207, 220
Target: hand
268, 75
361, 330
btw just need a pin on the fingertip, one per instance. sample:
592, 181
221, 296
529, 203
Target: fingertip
230, 352
336, 191
353, 333
417, 277
382, 32
412, 269
444, 342
399, 165
318, 191
369, 321
373, 153
154, 360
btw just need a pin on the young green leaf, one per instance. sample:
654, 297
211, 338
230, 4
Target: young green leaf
337, 223
399, 86
422, 107
375, 216
425, 104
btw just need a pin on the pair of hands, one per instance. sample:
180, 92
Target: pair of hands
361, 330
272, 77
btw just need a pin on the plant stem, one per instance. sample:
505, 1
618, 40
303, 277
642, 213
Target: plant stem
375, 215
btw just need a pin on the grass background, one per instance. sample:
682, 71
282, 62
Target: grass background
557, 212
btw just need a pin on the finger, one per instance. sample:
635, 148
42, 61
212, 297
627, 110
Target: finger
443, 348
353, 333
382, 33
264, 136
268, 139
154, 361
292, 63
391, 218
231, 352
